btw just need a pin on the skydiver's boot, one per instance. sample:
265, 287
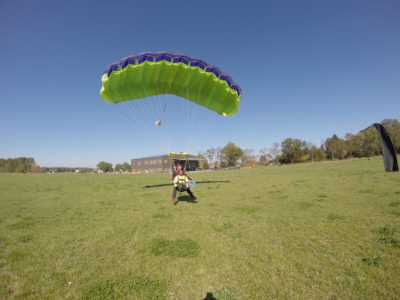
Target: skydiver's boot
192, 196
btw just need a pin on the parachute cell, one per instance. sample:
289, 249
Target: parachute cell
151, 74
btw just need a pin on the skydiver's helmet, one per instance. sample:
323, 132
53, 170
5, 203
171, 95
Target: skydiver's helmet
178, 168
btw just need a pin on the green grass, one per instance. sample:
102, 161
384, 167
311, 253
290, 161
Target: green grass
176, 248
328, 230
126, 287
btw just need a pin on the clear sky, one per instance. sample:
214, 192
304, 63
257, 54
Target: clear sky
308, 69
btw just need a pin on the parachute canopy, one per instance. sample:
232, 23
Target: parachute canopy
388, 152
150, 74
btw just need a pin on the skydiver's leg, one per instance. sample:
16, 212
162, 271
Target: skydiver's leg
191, 194
173, 176
174, 194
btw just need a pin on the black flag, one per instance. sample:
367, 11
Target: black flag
389, 155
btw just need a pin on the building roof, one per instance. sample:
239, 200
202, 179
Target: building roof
182, 156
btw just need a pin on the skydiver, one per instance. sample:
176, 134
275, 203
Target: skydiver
181, 184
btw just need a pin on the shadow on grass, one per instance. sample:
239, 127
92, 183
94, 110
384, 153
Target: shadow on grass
213, 181
157, 185
197, 182
209, 296
184, 198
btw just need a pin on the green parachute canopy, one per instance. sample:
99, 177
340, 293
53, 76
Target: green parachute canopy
151, 74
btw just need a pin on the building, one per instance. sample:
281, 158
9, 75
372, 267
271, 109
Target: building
163, 163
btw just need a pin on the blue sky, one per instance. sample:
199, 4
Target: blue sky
308, 69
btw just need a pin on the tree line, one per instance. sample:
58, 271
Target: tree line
18, 165
28, 165
107, 167
66, 170
365, 143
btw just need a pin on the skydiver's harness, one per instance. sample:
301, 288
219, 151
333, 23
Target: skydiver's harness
181, 183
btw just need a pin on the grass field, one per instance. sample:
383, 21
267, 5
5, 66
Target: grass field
326, 230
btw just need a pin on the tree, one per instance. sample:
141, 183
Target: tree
316, 154
18, 165
335, 147
350, 144
263, 156
203, 164
371, 142
230, 155
104, 166
34, 168
293, 150
218, 155
214, 156
210, 154
249, 157
274, 152
357, 144
126, 167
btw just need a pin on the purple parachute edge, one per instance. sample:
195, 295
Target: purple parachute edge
175, 58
